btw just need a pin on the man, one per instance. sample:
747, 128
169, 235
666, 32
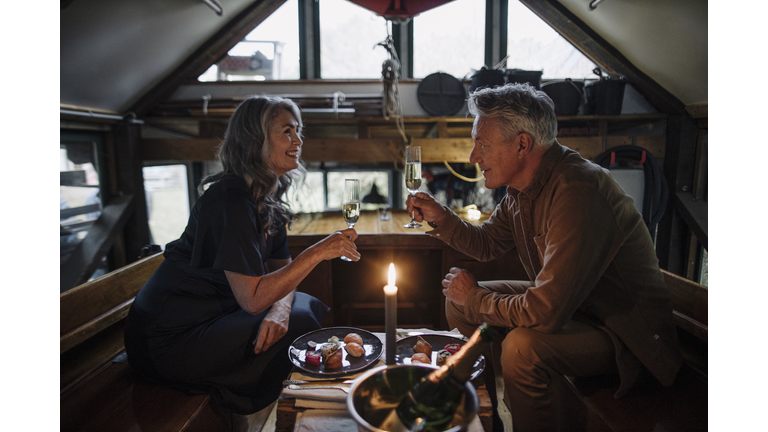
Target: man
596, 302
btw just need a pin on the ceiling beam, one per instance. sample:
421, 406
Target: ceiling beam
603, 53
209, 53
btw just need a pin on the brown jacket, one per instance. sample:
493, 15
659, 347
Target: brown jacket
590, 257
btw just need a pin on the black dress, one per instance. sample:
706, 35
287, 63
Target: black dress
186, 329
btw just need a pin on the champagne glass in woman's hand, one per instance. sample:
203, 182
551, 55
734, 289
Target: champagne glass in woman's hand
350, 205
412, 176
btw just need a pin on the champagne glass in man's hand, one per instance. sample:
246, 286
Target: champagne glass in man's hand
412, 176
350, 206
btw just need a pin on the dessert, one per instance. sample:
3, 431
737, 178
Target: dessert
354, 349
452, 348
353, 338
328, 348
422, 346
313, 358
442, 356
334, 360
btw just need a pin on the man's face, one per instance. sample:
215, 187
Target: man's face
497, 157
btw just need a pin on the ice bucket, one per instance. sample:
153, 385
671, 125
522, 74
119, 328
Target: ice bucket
376, 393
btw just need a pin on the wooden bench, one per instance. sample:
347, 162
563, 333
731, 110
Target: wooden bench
99, 390
652, 407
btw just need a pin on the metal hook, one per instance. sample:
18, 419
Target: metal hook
593, 4
206, 98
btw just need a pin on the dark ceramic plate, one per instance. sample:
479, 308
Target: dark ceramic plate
405, 350
371, 344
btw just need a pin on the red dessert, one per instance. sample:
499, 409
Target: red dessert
452, 348
314, 358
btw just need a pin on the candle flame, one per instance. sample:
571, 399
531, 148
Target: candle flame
391, 279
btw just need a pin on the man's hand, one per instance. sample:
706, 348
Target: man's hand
274, 327
457, 284
423, 207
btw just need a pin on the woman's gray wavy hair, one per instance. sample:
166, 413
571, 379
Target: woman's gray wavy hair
521, 108
245, 153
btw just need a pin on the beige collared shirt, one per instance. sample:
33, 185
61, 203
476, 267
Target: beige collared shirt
589, 255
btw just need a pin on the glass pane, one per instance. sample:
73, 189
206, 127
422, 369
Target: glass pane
167, 201
307, 196
533, 45
79, 193
367, 179
269, 52
348, 38
449, 38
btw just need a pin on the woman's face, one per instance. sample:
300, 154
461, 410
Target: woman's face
284, 143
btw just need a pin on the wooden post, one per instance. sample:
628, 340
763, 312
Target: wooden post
130, 180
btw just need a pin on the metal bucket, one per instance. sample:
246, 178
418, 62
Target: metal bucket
375, 394
567, 95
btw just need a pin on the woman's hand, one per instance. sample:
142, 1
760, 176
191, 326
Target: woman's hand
274, 326
423, 207
340, 243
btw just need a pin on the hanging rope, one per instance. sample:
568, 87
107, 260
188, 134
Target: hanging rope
467, 179
391, 105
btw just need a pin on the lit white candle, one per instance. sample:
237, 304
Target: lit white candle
390, 310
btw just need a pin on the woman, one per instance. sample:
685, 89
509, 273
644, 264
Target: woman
219, 313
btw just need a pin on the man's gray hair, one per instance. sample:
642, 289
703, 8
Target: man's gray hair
521, 108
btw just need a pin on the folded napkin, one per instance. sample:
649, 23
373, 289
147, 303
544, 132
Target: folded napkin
321, 420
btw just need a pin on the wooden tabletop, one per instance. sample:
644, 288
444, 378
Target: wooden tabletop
325, 223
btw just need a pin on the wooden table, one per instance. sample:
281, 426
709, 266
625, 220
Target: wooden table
354, 290
325, 223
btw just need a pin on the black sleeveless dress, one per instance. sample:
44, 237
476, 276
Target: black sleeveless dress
185, 328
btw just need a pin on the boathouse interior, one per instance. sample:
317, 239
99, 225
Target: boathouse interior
147, 88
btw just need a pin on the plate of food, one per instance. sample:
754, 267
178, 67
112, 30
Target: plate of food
433, 349
335, 350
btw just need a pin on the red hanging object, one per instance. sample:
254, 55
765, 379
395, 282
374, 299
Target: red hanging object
399, 9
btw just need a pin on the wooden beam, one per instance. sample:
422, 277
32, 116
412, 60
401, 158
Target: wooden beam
198, 150
603, 53
88, 254
695, 214
209, 53
698, 111
352, 150
433, 150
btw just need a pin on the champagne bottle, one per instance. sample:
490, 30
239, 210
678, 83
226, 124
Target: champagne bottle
436, 397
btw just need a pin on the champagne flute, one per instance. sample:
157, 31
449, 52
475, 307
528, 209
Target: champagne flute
412, 176
350, 205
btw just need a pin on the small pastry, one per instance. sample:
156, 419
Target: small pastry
422, 346
354, 349
328, 349
353, 338
334, 360
313, 358
442, 356
420, 358
452, 348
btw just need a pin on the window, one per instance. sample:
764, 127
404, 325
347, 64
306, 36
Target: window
79, 196
533, 45
307, 195
449, 38
269, 52
348, 37
367, 180
167, 193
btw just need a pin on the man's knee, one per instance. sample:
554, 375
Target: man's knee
520, 355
